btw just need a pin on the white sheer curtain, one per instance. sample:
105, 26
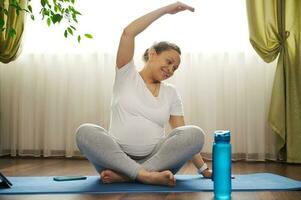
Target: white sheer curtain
57, 84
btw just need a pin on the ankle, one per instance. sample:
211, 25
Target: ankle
143, 175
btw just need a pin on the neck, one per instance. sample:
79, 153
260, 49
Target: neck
146, 75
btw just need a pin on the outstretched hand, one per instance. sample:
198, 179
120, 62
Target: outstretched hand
207, 173
178, 7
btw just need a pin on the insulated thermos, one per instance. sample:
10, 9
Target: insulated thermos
221, 165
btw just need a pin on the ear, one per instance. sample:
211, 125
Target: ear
151, 54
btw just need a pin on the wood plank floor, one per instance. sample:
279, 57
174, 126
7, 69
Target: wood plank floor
61, 166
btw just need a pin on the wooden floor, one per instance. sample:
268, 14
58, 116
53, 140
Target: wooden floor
61, 166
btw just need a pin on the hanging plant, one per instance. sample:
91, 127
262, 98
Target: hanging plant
52, 12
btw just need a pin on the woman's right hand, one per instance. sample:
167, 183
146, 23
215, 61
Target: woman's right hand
178, 7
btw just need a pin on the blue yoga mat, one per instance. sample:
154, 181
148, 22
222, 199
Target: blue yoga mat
185, 183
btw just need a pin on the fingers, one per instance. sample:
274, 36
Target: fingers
183, 6
178, 7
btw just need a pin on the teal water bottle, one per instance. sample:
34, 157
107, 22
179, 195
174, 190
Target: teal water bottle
221, 165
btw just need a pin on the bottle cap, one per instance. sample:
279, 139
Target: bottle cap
222, 136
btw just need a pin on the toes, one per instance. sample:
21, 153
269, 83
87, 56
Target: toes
106, 180
169, 175
105, 176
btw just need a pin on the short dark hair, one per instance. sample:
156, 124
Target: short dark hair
160, 47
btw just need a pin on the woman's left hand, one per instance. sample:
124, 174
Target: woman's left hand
207, 173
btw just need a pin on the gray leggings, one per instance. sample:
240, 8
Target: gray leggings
171, 153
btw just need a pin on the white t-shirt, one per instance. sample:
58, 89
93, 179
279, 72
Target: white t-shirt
137, 117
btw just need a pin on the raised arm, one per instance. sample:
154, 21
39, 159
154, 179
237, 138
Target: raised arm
127, 41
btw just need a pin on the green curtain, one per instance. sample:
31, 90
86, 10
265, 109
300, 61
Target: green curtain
9, 46
274, 27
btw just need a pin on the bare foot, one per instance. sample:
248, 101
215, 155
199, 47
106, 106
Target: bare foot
160, 178
109, 176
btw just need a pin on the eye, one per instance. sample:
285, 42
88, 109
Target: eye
168, 61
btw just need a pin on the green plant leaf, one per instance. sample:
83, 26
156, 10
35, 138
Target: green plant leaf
5, 11
70, 30
32, 17
56, 18
43, 3
87, 35
49, 5
48, 12
12, 32
26, 10
66, 34
75, 11
1, 23
48, 21
78, 38
29, 8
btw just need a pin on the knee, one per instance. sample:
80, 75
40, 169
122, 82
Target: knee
197, 137
81, 133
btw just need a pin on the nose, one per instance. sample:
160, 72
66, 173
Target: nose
170, 69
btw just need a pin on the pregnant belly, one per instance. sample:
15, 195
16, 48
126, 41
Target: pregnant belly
138, 136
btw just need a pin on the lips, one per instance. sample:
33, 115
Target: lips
165, 74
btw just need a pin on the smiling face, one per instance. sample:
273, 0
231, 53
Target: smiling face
164, 64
